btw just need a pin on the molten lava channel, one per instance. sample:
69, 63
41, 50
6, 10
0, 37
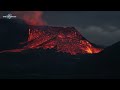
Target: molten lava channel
66, 40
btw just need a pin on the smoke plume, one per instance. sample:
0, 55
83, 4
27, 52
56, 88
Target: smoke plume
31, 17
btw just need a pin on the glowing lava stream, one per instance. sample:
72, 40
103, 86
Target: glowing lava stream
66, 40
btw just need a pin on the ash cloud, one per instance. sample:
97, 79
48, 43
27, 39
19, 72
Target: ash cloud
30, 17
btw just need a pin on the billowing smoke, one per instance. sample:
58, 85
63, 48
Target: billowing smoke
30, 17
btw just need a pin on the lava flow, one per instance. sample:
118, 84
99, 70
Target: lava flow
67, 40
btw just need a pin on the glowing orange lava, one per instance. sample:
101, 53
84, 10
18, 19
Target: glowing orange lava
66, 40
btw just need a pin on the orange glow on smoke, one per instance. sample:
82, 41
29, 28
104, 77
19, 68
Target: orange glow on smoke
31, 17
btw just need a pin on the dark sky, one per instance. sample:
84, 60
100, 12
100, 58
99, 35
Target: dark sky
100, 27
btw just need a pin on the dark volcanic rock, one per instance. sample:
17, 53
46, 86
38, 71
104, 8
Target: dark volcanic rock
112, 52
12, 32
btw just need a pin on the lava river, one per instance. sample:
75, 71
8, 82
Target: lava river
63, 39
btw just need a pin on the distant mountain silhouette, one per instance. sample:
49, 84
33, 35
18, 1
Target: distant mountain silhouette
113, 50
